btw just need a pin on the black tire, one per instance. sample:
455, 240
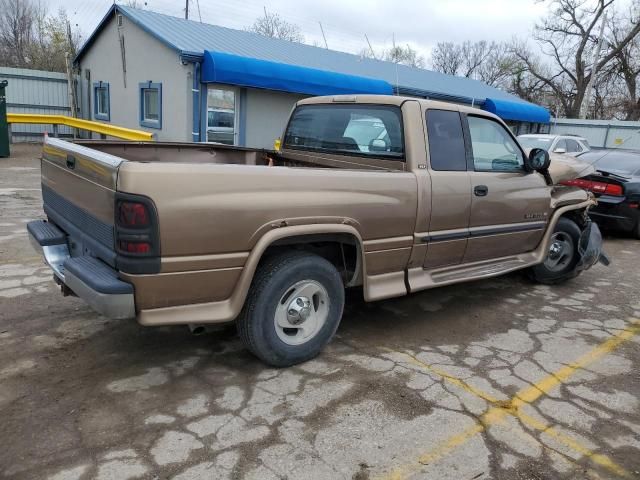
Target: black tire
274, 278
568, 231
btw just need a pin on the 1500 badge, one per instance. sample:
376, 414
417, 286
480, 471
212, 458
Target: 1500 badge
535, 216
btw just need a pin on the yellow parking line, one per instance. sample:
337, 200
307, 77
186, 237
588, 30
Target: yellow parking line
526, 396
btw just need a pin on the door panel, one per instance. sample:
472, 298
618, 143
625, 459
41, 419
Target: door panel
509, 207
450, 190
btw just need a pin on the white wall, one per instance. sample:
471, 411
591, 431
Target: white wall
617, 134
267, 113
146, 59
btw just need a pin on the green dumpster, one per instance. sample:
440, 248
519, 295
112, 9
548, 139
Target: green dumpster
4, 126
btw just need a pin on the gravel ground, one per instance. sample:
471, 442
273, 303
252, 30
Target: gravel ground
499, 379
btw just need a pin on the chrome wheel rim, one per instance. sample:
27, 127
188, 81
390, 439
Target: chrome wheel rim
560, 252
301, 312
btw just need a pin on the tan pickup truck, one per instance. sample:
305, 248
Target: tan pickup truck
388, 194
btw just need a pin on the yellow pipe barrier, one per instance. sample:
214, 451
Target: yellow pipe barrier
98, 127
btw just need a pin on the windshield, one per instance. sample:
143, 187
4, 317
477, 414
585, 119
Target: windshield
536, 142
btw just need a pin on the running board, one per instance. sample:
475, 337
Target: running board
421, 279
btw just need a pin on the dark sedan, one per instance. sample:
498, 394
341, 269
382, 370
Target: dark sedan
616, 183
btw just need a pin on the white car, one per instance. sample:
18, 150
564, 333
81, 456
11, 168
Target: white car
567, 144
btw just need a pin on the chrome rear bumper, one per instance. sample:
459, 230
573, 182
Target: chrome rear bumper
89, 278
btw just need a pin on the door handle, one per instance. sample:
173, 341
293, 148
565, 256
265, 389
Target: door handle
480, 190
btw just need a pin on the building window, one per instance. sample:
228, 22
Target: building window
101, 108
221, 115
151, 105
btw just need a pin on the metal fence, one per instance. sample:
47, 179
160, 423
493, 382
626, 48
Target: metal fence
600, 133
36, 91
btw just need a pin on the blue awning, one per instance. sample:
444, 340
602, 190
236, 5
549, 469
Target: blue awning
520, 111
250, 72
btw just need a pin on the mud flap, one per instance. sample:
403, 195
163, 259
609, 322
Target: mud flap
590, 248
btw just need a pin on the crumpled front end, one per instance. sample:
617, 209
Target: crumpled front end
590, 247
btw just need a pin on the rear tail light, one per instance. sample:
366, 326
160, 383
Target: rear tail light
137, 233
595, 187
135, 247
133, 214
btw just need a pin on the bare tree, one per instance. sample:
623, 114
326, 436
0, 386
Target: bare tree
398, 54
567, 37
493, 63
272, 25
17, 19
446, 57
625, 69
52, 42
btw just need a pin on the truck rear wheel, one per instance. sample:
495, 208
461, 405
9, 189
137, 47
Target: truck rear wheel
293, 308
560, 263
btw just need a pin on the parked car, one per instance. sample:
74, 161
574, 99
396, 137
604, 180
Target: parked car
220, 125
616, 184
566, 144
193, 234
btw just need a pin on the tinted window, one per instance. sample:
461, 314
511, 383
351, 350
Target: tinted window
493, 147
349, 129
573, 146
446, 141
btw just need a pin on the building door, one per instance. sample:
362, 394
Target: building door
510, 207
222, 115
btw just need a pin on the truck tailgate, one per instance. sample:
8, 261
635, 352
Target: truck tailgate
78, 189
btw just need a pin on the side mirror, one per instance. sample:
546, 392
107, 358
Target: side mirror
560, 150
538, 160
377, 145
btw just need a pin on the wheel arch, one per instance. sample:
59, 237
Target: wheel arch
300, 236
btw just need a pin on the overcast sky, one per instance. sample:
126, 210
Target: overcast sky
420, 23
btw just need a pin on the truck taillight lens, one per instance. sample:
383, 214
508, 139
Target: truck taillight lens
135, 247
595, 187
133, 214
137, 234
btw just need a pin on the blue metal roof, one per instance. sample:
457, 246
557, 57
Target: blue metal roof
191, 39
250, 72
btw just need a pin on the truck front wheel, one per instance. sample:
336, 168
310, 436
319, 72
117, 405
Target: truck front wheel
293, 308
560, 263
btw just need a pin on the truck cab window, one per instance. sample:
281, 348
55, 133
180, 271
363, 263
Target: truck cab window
349, 129
446, 141
493, 147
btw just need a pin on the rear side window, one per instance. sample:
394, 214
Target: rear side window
446, 141
364, 130
573, 146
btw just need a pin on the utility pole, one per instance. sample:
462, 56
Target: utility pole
325, 38
73, 103
373, 53
584, 106
186, 10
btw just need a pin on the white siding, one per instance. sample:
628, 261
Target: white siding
146, 59
267, 113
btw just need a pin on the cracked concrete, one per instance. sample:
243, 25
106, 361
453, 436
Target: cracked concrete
409, 386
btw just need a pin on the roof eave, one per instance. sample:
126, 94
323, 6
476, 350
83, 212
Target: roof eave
105, 19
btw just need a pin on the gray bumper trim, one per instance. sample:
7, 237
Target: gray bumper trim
116, 306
